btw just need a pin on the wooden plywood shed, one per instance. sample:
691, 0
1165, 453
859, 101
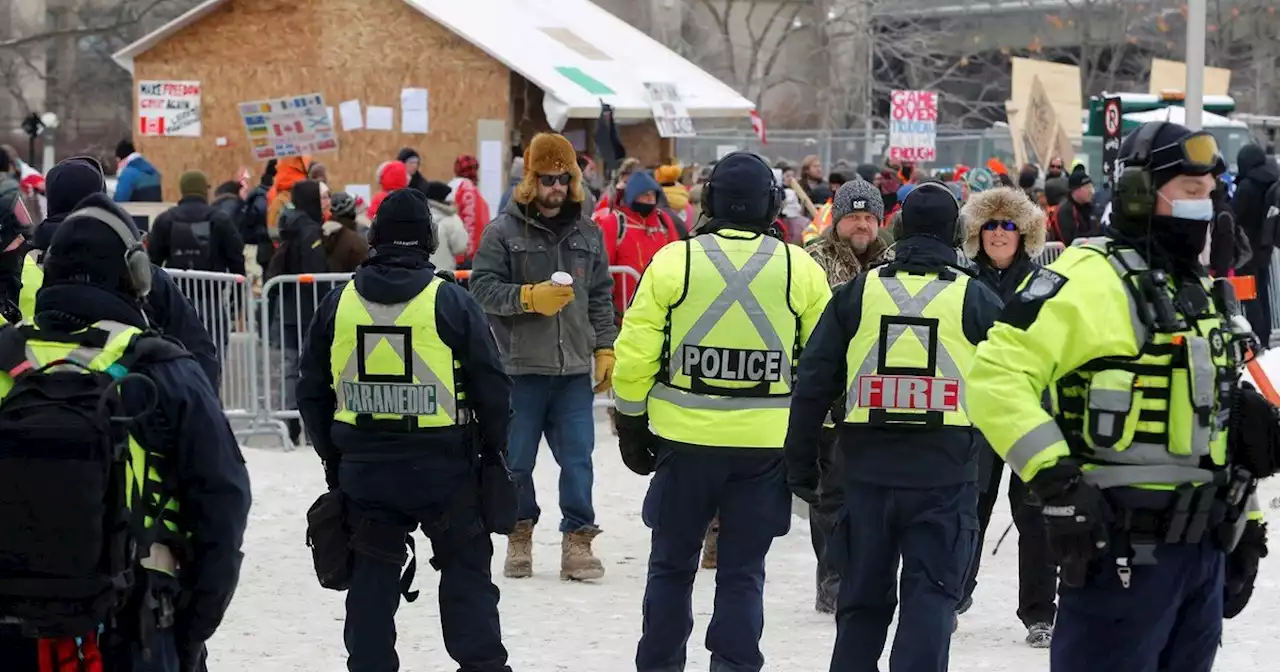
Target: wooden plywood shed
495, 70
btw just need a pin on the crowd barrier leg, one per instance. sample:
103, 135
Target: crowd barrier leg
630, 281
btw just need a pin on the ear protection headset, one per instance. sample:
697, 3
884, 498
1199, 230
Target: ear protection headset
1134, 197
776, 195
136, 260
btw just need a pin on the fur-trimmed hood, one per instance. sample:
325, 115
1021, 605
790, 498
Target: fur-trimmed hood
548, 154
1003, 204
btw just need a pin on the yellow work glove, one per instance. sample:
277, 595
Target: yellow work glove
604, 370
545, 298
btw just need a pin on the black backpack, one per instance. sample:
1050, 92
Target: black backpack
1270, 219
190, 246
69, 546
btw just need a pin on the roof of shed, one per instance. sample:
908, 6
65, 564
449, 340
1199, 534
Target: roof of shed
575, 51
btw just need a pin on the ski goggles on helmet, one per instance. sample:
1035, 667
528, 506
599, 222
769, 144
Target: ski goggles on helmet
1196, 154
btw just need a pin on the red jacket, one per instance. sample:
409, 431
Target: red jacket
633, 246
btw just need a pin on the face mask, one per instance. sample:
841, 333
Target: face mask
644, 209
1195, 210
1183, 239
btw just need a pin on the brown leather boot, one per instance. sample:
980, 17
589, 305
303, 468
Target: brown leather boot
710, 545
519, 564
577, 563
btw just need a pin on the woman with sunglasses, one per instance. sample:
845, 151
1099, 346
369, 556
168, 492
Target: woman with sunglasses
1004, 231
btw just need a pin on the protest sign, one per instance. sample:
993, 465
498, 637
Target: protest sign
169, 108
669, 112
283, 127
1041, 123
913, 126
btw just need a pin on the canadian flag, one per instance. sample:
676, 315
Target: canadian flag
757, 125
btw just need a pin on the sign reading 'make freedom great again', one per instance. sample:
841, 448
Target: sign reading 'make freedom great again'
913, 126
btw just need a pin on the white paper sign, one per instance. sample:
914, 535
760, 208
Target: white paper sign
414, 117
169, 108
491, 185
360, 191
379, 118
352, 120
282, 127
725, 150
669, 112
913, 126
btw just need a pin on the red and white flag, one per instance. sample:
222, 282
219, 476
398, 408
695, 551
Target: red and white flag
757, 125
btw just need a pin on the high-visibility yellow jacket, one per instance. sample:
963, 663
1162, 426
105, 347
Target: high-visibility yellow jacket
819, 224
709, 345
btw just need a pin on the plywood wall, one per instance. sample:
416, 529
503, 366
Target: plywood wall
345, 49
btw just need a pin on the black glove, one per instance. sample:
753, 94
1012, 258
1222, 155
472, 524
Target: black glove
802, 479
192, 657
1242, 568
1253, 441
331, 474
638, 445
1076, 517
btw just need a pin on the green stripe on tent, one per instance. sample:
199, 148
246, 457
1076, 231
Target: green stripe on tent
591, 84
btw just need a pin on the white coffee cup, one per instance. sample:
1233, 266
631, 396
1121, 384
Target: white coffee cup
561, 279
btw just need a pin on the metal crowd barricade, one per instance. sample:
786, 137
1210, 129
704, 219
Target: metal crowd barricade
1050, 253
225, 305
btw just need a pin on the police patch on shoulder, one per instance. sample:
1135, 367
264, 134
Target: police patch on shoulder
1043, 284
1023, 309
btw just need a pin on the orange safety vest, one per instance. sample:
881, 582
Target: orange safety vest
819, 224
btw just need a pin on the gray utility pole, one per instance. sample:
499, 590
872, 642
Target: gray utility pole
1196, 29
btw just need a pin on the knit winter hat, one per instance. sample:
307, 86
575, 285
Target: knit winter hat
70, 182
404, 220
1080, 178
85, 248
193, 183
667, 175
342, 204
929, 210
979, 180
857, 196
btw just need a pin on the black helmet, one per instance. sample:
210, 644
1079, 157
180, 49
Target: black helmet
742, 190
1150, 157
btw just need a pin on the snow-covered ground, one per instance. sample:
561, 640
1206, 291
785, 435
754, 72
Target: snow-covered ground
282, 621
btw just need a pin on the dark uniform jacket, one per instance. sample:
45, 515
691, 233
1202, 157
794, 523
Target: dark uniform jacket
396, 275
914, 457
194, 235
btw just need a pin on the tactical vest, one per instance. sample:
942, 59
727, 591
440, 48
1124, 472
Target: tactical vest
190, 246
1155, 421
389, 365
906, 363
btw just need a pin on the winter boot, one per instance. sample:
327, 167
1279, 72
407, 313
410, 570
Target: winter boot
519, 564
710, 545
1040, 635
577, 563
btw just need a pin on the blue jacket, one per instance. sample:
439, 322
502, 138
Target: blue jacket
139, 181
884, 456
395, 275
211, 478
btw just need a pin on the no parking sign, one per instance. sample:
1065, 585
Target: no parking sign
1111, 123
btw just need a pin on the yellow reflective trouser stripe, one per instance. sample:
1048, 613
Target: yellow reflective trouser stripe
908, 306
387, 315
737, 291
713, 403
1104, 476
1031, 444
628, 407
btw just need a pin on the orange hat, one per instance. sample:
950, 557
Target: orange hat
995, 166
667, 175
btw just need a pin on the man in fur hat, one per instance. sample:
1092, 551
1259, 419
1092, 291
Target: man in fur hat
552, 334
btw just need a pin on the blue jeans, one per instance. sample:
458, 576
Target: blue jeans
560, 408
749, 491
1169, 619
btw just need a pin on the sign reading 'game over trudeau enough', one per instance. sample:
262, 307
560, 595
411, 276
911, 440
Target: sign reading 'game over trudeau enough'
283, 127
913, 127
169, 108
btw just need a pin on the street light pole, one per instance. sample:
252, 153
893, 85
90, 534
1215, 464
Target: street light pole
1196, 28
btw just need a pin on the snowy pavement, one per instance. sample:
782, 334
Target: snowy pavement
282, 621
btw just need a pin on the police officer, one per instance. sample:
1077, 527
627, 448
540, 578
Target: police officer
896, 341
703, 381
20, 276
187, 486
399, 372
1143, 499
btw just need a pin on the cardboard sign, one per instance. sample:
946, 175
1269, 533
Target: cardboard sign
1172, 75
1062, 147
1040, 122
169, 108
283, 127
669, 112
913, 126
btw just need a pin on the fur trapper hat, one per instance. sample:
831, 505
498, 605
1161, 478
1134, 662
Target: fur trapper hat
548, 154
1003, 204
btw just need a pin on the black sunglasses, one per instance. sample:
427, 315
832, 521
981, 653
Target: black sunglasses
1006, 225
551, 180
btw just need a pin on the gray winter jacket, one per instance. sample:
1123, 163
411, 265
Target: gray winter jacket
518, 250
